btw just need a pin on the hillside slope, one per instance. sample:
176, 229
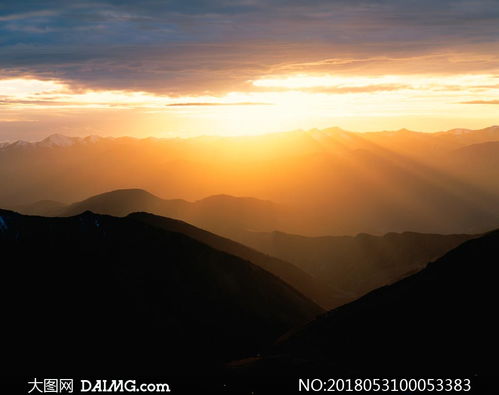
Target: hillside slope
437, 323
323, 293
357, 264
122, 294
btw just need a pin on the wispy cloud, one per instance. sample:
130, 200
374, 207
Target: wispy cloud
481, 102
218, 104
26, 15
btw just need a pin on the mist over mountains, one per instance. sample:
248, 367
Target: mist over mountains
331, 182
360, 264
222, 214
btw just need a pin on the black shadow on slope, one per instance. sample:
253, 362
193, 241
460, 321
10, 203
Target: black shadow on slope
94, 293
312, 288
440, 322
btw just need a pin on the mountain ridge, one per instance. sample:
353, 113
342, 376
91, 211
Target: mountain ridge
313, 289
220, 213
436, 322
356, 264
61, 140
160, 292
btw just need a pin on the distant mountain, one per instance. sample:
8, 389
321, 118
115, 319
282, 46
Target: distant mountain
467, 136
332, 182
58, 140
221, 214
478, 155
477, 163
437, 323
125, 201
53, 141
293, 140
116, 293
315, 289
356, 265
408, 142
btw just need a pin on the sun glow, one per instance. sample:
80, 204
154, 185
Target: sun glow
275, 103
414, 81
25, 87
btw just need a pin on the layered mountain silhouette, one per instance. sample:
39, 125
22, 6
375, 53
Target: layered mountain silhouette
321, 292
222, 214
335, 182
356, 265
101, 292
128, 280
439, 322
331, 270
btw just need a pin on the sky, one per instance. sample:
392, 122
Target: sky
180, 68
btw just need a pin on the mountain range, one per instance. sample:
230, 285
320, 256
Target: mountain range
454, 137
331, 181
222, 214
330, 270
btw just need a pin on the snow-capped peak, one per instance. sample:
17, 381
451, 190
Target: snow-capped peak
52, 141
58, 140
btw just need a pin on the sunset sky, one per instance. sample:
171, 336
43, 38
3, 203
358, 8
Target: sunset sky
185, 68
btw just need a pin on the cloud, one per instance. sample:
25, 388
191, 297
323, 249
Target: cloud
26, 15
481, 102
356, 89
220, 104
200, 46
11, 120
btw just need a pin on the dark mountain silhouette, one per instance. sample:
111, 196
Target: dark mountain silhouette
313, 288
439, 322
97, 292
356, 265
